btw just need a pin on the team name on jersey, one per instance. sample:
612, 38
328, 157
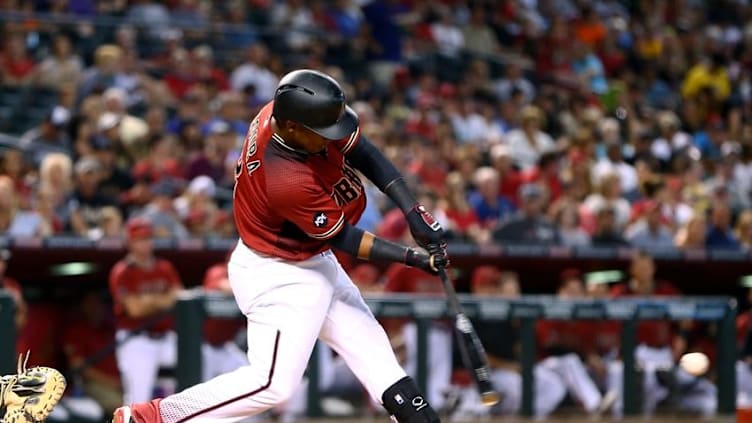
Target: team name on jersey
348, 188
252, 165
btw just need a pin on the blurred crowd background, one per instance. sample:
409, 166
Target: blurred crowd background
604, 123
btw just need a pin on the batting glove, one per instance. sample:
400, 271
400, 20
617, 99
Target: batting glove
431, 263
424, 228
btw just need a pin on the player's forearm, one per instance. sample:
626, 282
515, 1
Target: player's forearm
367, 246
376, 167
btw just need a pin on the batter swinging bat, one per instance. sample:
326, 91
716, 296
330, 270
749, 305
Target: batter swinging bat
473, 354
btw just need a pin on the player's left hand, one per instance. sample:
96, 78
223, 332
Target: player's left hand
431, 262
424, 228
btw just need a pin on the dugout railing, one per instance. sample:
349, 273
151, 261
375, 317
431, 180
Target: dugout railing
194, 306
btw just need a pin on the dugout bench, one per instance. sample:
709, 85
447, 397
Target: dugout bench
194, 305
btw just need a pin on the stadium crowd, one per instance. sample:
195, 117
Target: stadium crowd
550, 122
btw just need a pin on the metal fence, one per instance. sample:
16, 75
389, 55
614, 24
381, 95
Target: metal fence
194, 306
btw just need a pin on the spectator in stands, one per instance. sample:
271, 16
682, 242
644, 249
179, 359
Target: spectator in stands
478, 35
254, 72
231, 108
527, 143
566, 219
15, 221
609, 195
107, 63
115, 180
547, 173
743, 230
87, 200
649, 231
660, 346
212, 160
614, 163
720, 234
61, 67
16, 67
607, 233
161, 212
446, 33
87, 342
220, 353
514, 79
588, 68
490, 207
49, 136
56, 180
530, 225
144, 289
692, 235
510, 178
710, 73
162, 162
456, 215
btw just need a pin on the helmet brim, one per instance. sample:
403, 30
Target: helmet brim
346, 125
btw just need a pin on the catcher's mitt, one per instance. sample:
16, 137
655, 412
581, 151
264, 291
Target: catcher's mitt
29, 395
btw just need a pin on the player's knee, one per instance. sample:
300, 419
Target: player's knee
407, 404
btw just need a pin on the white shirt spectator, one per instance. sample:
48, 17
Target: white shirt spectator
639, 235
448, 38
594, 203
524, 154
627, 173
663, 148
261, 78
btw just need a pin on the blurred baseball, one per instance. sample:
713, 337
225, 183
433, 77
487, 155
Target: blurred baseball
695, 363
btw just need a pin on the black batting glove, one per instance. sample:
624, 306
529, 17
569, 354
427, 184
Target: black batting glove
431, 263
426, 231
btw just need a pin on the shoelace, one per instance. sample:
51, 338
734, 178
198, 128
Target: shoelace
24, 382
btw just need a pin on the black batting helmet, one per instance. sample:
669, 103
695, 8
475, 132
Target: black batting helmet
316, 101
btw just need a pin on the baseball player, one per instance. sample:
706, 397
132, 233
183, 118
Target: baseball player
219, 351
143, 290
298, 194
659, 346
744, 341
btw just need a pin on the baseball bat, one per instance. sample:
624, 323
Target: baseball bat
473, 353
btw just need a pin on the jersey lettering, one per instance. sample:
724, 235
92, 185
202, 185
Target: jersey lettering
344, 192
252, 166
347, 188
251, 138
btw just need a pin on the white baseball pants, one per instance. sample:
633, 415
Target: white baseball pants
575, 377
139, 359
288, 306
701, 398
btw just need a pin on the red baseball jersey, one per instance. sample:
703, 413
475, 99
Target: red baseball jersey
654, 333
219, 331
82, 339
127, 278
288, 203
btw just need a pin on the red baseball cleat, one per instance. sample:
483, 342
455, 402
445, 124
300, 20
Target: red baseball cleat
145, 412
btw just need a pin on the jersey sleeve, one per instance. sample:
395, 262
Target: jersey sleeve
172, 275
304, 203
121, 283
346, 145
